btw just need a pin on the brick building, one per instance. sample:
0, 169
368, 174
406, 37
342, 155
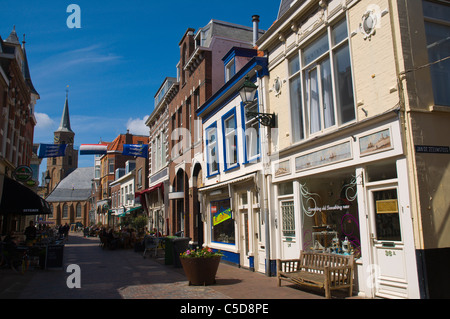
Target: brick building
200, 73
18, 98
112, 161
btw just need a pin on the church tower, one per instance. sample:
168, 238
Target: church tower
60, 167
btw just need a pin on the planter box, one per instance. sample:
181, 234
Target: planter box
201, 271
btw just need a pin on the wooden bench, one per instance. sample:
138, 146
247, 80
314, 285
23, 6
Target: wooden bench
325, 271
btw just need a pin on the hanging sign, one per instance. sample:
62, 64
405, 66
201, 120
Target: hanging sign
23, 173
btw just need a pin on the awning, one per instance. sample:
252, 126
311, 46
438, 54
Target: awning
150, 190
20, 200
251, 176
133, 209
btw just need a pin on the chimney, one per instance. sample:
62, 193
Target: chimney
255, 20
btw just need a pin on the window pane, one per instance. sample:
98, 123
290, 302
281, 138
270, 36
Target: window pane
230, 124
212, 155
339, 32
438, 44
252, 139
294, 65
315, 49
296, 109
344, 85
387, 215
285, 189
313, 101
287, 212
436, 11
327, 94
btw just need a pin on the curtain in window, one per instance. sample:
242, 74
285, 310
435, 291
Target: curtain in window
313, 101
296, 109
327, 94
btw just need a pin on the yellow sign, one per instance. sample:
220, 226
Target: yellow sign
221, 217
389, 206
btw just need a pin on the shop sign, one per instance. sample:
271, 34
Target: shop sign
221, 212
283, 168
329, 155
23, 173
327, 208
374, 143
389, 206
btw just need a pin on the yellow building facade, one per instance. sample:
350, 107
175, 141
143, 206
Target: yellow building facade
360, 155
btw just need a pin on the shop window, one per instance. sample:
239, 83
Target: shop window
329, 214
223, 230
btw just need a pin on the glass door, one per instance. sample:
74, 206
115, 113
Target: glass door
388, 278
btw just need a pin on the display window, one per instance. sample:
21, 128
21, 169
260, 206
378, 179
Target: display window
222, 222
329, 214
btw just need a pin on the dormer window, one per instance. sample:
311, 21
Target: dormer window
230, 70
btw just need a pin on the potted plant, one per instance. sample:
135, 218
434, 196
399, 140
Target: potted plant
200, 265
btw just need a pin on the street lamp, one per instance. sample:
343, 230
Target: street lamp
247, 92
47, 178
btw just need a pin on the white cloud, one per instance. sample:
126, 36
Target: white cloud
137, 126
44, 122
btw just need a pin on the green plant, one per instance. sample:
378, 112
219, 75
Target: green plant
140, 222
204, 252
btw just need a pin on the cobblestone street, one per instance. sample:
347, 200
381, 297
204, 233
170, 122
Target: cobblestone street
125, 274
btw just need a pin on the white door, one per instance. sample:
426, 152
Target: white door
260, 254
388, 269
290, 247
245, 238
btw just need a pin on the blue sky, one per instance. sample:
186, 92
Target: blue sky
115, 62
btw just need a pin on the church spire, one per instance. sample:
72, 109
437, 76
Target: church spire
13, 37
64, 126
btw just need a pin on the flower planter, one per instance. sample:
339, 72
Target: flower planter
201, 271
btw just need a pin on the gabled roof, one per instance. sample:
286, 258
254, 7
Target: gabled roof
75, 187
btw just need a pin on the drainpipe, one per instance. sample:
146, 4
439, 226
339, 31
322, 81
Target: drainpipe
265, 161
